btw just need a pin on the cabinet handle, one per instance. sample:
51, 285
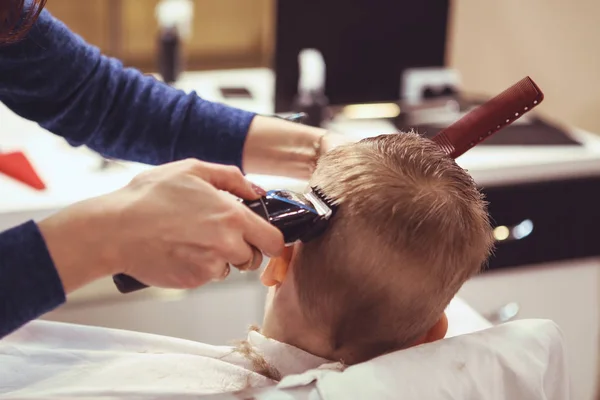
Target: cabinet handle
506, 313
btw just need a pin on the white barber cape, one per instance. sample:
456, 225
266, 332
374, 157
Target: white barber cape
64, 361
518, 360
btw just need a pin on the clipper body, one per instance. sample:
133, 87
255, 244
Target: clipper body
300, 217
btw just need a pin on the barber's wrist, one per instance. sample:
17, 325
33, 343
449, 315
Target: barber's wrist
310, 151
277, 147
74, 238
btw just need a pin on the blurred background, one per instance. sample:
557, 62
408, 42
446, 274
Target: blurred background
227, 33
491, 43
423, 63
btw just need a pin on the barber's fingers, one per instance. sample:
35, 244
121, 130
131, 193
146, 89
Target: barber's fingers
256, 260
232, 250
236, 251
223, 177
227, 178
195, 266
262, 235
253, 263
240, 254
257, 231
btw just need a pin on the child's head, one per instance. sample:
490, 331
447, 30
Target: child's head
410, 229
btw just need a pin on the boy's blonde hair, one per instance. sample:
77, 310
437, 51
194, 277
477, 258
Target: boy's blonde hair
410, 229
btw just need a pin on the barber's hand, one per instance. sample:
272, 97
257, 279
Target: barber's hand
170, 227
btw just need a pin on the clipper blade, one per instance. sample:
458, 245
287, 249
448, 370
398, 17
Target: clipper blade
325, 205
489, 118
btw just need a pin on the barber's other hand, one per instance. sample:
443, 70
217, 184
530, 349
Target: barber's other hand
170, 227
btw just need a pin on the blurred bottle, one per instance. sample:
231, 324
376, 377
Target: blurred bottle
311, 98
175, 25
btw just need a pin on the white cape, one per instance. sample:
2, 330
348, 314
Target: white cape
518, 360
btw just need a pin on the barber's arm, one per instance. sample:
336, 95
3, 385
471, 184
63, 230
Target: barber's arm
169, 228
174, 226
55, 78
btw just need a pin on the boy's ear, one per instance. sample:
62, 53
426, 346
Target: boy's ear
277, 268
437, 331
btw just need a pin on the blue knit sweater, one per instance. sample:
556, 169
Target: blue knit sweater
57, 80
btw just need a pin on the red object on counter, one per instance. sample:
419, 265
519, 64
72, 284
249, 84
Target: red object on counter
17, 166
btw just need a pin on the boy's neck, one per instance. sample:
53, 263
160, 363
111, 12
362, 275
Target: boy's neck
292, 331
289, 326
312, 342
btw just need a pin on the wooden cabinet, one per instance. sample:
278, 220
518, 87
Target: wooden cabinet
226, 33
565, 293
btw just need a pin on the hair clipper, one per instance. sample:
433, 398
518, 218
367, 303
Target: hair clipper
300, 217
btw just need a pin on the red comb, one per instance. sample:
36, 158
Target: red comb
17, 166
489, 118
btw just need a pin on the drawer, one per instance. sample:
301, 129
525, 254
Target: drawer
565, 293
548, 221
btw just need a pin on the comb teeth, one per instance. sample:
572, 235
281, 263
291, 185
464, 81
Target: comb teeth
489, 118
442, 140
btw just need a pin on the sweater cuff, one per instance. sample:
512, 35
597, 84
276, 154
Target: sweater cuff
29, 282
214, 132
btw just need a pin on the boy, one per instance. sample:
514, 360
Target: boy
411, 228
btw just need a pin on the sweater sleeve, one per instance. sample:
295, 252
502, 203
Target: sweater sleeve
29, 283
68, 87
56, 79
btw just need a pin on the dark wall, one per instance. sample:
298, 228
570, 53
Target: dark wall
366, 44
